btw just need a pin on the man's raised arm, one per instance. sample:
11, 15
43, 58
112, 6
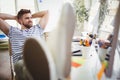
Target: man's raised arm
4, 26
43, 15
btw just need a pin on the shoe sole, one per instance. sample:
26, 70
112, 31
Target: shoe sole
38, 60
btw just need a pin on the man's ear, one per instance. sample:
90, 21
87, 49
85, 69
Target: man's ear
19, 21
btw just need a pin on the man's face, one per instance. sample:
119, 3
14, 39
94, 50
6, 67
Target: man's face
26, 20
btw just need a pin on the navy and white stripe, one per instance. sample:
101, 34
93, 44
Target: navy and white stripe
17, 38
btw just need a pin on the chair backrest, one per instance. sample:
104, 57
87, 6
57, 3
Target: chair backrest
11, 62
5, 69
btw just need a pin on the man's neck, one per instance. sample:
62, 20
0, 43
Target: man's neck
23, 27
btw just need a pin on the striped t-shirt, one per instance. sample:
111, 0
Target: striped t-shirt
17, 38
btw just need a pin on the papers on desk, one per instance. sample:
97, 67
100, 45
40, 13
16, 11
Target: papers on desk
3, 42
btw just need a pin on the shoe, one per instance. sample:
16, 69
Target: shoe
38, 60
60, 40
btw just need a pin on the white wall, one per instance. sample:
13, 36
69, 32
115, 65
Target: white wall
8, 6
54, 7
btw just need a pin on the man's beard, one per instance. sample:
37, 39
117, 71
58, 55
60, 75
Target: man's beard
28, 25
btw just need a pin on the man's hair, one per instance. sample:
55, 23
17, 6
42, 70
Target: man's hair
22, 12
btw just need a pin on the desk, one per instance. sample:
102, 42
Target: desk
85, 67
88, 68
5, 68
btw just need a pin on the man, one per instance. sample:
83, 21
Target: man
18, 36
